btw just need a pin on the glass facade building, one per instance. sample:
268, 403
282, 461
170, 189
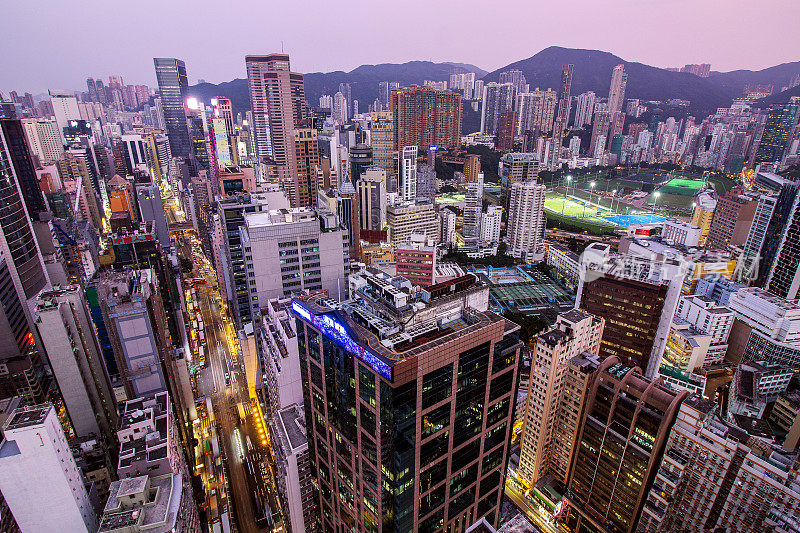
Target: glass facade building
173, 85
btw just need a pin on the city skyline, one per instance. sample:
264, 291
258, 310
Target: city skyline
692, 40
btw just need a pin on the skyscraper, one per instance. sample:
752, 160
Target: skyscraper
622, 436
526, 220
17, 145
415, 413
408, 173
172, 86
277, 97
562, 115
425, 117
307, 174
382, 137
574, 333
473, 207
778, 129
497, 97
584, 109
616, 99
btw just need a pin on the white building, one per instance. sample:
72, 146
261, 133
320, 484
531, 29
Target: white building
707, 316
39, 478
280, 360
291, 250
448, 226
294, 483
408, 173
65, 108
678, 232
490, 224
473, 206
44, 139
526, 220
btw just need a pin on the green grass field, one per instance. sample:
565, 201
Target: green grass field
682, 187
572, 209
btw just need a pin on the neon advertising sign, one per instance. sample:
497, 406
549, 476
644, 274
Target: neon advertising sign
336, 331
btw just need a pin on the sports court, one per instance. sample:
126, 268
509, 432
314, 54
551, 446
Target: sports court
682, 187
580, 209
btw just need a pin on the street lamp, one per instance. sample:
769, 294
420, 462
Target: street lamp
655, 202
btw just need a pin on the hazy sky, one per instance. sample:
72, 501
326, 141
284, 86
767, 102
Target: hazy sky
56, 44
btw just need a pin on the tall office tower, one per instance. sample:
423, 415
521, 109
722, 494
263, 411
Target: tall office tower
44, 139
406, 219
408, 173
16, 146
515, 168
307, 175
497, 97
339, 110
418, 411
344, 88
584, 109
360, 156
781, 121
574, 333
173, 86
68, 337
491, 221
383, 93
224, 110
276, 343
372, 199
23, 374
733, 216
221, 143
472, 167
703, 213
277, 97
293, 467
621, 440
516, 78
600, 127
425, 117
92, 87
382, 138
562, 115
151, 209
473, 207
505, 131
616, 94
136, 324
526, 220
637, 298
782, 276
231, 212
293, 251
18, 245
39, 479
65, 108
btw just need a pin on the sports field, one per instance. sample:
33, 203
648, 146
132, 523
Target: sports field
581, 210
682, 187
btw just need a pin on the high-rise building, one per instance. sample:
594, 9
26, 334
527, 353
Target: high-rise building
473, 207
574, 333
715, 476
173, 85
497, 97
44, 139
277, 97
779, 266
584, 109
19, 153
288, 251
382, 138
733, 216
526, 220
416, 262
562, 114
703, 213
601, 125
408, 173
151, 209
515, 168
637, 298
472, 167
136, 324
39, 478
293, 467
491, 221
516, 78
408, 218
622, 436
65, 109
372, 199
425, 117
505, 131
306, 176
781, 121
73, 351
416, 410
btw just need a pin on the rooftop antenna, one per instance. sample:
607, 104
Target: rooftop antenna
281, 46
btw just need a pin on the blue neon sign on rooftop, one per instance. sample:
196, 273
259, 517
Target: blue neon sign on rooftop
338, 332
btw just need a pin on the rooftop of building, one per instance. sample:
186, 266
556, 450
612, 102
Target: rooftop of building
391, 323
768, 297
32, 415
698, 402
563, 250
143, 503
293, 425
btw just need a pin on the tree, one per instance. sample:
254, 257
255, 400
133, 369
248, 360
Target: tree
447, 189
